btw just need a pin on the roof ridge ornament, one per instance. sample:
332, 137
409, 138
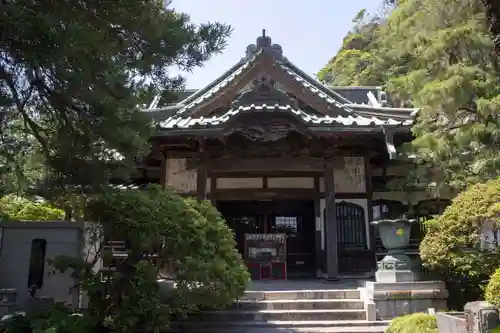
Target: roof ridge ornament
265, 44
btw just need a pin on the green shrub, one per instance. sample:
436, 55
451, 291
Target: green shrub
58, 318
492, 291
188, 236
14, 207
413, 323
495, 330
452, 239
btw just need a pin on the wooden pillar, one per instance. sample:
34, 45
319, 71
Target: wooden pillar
318, 253
163, 167
213, 190
201, 177
331, 244
369, 200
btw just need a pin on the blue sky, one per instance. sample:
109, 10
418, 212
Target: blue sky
310, 33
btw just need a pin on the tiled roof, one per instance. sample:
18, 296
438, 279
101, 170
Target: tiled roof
347, 112
180, 122
199, 97
313, 85
356, 95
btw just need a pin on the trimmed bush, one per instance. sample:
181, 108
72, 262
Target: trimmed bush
161, 229
13, 207
492, 291
452, 239
413, 323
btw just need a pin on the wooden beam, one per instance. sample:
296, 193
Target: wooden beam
163, 169
201, 177
254, 194
181, 154
228, 165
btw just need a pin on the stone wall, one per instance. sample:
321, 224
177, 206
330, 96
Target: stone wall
60, 237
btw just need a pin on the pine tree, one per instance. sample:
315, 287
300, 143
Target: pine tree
73, 75
439, 56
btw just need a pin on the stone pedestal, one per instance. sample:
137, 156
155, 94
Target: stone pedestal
394, 276
396, 293
387, 300
8, 298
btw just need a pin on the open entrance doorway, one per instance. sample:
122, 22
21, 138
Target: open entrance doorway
295, 218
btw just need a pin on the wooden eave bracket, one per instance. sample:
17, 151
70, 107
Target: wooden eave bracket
389, 142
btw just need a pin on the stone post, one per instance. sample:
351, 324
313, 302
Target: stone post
481, 317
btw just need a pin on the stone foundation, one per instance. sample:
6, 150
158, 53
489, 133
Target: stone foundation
386, 300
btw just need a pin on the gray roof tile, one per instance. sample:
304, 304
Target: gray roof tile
357, 95
224, 81
314, 86
180, 122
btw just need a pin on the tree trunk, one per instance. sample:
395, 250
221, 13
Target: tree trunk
493, 14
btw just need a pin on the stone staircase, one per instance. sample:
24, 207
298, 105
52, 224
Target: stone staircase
328, 311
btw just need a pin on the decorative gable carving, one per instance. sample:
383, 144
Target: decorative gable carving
263, 91
266, 132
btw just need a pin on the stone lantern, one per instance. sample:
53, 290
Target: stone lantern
395, 236
395, 291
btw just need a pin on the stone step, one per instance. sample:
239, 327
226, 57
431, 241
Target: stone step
352, 326
301, 294
361, 329
279, 315
300, 304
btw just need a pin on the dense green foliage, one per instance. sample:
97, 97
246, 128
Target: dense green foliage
56, 319
493, 13
453, 238
13, 207
189, 236
352, 64
413, 323
492, 291
437, 56
73, 75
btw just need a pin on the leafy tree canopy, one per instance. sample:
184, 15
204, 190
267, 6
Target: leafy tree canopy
453, 239
349, 65
13, 207
73, 75
437, 56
